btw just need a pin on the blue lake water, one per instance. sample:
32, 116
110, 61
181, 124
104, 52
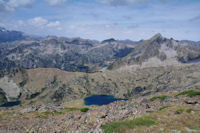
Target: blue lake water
10, 104
100, 100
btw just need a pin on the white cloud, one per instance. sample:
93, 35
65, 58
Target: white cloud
35, 26
128, 2
12, 5
196, 18
38, 25
38, 22
41, 23
20, 22
2, 5
122, 2
53, 24
55, 2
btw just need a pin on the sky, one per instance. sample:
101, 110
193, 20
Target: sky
103, 19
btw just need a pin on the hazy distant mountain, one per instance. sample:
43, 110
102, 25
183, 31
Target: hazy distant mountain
109, 40
8, 36
190, 42
127, 41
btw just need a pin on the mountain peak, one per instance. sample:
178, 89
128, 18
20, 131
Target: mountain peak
109, 40
2, 29
158, 35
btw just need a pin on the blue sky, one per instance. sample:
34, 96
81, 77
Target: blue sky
103, 19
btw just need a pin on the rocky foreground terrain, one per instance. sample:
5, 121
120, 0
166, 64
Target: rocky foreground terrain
167, 112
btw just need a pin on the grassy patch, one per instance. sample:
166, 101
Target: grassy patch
41, 115
164, 107
119, 127
189, 110
74, 109
179, 111
158, 97
70, 109
5, 115
110, 67
84, 109
190, 93
45, 115
198, 88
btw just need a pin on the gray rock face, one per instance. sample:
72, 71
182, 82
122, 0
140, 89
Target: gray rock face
11, 90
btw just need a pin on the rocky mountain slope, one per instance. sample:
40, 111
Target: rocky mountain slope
160, 51
71, 54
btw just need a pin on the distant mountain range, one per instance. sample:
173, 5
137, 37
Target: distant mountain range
76, 54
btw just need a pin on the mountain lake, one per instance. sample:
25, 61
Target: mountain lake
100, 100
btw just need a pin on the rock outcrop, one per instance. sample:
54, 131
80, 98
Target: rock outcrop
10, 89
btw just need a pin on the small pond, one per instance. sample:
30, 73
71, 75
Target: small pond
10, 104
100, 100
